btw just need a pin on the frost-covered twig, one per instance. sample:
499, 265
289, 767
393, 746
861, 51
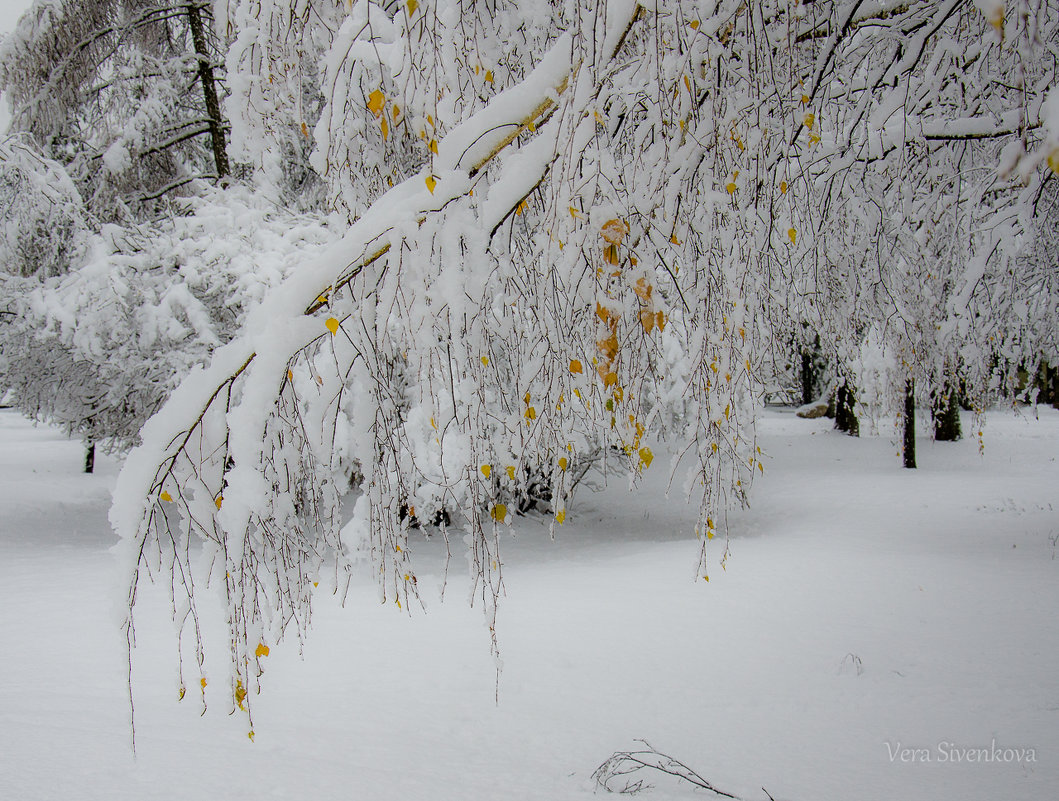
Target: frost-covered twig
613, 774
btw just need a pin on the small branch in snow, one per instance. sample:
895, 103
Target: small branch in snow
622, 764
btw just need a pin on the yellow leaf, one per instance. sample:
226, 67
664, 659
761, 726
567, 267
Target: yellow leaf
805, 99
434, 146
203, 683
261, 650
240, 693
646, 457
250, 734
1053, 160
710, 534
332, 325
165, 496
220, 498
376, 101
433, 424
431, 183
531, 413
385, 128
305, 130
485, 361
808, 121
575, 367
560, 516
499, 513
412, 6
694, 24
674, 239
487, 470
613, 231
783, 187
793, 234
610, 379
396, 111
430, 120
562, 463
574, 213
488, 76
731, 187
511, 471
687, 83
181, 696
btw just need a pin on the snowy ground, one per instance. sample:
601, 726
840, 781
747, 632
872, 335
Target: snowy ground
941, 584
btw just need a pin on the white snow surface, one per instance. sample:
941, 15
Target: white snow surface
942, 584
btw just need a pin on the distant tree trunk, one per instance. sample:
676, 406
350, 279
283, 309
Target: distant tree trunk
209, 90
1054, 373
945, 408
845, 419
90, 456
807, 378
910, 424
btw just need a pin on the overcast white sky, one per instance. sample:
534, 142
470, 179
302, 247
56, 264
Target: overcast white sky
10, 11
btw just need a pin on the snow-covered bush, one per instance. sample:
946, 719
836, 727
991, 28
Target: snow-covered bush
97, 349
42, 218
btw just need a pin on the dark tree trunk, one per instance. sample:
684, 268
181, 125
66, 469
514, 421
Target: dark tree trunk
910, 424
845, 419
1054, 373
209, 90
807, 378
90, 456
945, 409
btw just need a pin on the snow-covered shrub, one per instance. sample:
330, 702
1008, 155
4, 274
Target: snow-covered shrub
97, 349
42, 218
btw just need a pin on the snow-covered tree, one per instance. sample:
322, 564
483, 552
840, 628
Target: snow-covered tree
123, 94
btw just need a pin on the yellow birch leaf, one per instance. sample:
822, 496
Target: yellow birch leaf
499, 513
431, 183
181, 696
574, 213
202, 682
694, 24
560, 516
220, 499
646, 457
434, 146
332, 325
511, 471
1053, 160
562, 463
731, 187
487, 470
165, 496
575, 366
488, 76
793, 234
261, 650
783, 187
485, 361
385, 128
376, 101
808, 121
250, 734
613, 231
305, 130
674, 239
412, 6
531, 413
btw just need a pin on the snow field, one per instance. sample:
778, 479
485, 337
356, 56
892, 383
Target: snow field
862, 606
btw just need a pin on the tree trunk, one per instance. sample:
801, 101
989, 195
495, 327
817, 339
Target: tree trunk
90, 456
946, 412
845, 419
807, 378
910, 424
209, 90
